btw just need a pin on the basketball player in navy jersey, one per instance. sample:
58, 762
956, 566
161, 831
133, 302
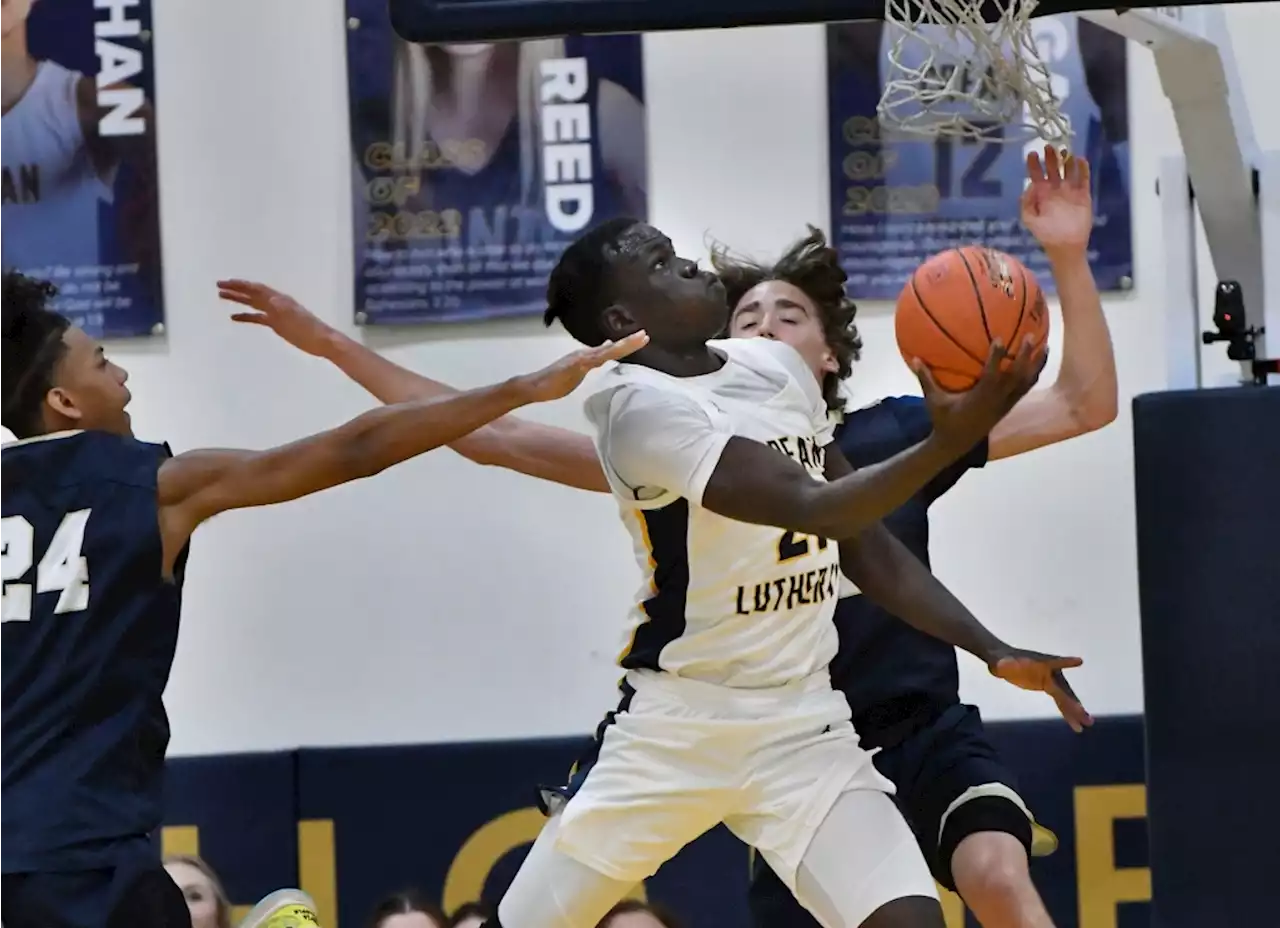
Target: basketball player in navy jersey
95, 533
961, 801
58, 167
901, 685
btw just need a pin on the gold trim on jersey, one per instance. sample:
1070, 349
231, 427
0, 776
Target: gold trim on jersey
643, 525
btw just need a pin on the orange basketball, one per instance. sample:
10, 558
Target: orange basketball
958, 302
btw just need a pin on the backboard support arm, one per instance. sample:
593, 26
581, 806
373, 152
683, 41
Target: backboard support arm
1224, 169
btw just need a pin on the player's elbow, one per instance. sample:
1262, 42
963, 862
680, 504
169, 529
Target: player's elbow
366, 454
1095, 408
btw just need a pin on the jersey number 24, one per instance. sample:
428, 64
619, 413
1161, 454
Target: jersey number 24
62, 569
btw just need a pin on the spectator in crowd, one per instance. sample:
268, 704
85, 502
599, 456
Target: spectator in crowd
202, 889
470, 915
408, 909
631, 913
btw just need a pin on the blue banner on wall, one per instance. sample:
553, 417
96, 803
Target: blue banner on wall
455, 820
80, 204
475, 164
896, 200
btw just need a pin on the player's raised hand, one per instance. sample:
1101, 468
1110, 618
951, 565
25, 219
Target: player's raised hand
1032, 670
1057, 204
563, 377
964, 419
280, 313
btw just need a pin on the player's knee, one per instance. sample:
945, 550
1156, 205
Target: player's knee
986, 839
990, 866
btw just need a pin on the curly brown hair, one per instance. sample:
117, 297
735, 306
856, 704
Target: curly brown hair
813, 267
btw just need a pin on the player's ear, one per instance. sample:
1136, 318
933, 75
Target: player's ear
60, 401
829, 363
618, 322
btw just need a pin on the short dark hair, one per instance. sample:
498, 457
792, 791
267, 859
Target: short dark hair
470, 910
813, 267
32, 339
626, 906
402, 903
579, 289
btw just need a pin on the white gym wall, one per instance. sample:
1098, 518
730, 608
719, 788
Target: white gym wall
445, 601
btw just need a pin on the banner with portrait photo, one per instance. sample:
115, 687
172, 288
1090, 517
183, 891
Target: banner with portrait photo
897, 199
474, 165
80, 204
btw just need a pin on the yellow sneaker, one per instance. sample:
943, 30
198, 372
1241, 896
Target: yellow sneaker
284, 908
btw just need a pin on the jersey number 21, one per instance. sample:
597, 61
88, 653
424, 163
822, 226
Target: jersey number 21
62, 569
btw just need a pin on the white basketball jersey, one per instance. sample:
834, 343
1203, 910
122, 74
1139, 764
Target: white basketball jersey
723, 601
51, 190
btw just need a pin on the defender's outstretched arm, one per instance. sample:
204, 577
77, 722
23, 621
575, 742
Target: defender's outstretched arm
197, 485
559, 455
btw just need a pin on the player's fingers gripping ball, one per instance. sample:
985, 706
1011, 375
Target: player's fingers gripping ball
958, 302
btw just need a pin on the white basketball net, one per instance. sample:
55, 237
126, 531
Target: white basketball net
953, 74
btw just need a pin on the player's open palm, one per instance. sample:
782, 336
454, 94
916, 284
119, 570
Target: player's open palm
1057, 205
563, 377
1032, 670
279, 312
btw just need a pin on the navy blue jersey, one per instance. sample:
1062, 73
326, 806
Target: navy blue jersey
90, 629
896, 678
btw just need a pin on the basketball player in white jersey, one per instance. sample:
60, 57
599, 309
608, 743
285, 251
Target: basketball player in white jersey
717, 455
57, 167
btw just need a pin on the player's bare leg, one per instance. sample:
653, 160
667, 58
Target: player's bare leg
992, 877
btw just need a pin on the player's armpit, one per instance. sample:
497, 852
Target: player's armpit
755, 483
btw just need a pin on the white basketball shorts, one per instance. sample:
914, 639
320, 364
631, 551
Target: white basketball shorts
681, 756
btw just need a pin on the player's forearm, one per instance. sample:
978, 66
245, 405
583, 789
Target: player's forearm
370, 443
385, 379
858, 500
394, 433
543, 451
895, 579
754, 483
1087, 376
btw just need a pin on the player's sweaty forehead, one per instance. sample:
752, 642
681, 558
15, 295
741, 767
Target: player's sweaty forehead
639, 241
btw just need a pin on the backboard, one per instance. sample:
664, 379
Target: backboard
492, 20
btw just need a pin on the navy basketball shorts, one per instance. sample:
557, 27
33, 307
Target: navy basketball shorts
951, 784
131, 895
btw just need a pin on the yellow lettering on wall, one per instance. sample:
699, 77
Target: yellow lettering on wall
318, 868
1103, 885
487, 845
180, 841
952, 907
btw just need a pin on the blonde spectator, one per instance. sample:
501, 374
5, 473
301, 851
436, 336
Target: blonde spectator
206, 899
